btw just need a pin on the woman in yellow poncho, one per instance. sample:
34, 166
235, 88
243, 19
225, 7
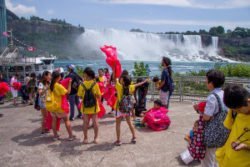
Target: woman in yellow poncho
236, 151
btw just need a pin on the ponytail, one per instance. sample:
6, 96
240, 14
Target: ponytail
55, 76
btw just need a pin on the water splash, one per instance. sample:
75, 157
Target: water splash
149, 46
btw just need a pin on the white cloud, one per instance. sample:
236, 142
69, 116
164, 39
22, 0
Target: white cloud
227, 24
20, 9
223, 4
50, 12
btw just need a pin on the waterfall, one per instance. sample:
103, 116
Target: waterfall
215, 42
148, 46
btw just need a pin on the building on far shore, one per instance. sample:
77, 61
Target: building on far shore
3, 25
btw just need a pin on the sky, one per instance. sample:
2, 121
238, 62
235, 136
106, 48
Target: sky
148, 15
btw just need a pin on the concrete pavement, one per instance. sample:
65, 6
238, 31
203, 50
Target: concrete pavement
21, 144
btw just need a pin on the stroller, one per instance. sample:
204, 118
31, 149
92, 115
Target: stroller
140, 97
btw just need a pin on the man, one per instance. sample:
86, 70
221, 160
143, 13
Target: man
73, 98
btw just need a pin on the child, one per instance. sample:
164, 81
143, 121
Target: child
102, 77
42, 91
156, 118
236, 151
124, 105
157, 82
56, 91
157, 105
90, 93
13, 90
200, 110
107, 74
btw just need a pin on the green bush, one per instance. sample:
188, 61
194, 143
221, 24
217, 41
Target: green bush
238, 70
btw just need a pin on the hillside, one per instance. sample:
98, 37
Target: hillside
55, 37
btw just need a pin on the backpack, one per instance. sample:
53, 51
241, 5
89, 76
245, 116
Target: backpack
215, 133
51, 104
76, 81
126, 104
89, 99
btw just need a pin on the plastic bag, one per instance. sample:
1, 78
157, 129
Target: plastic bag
65, 103
157, 119
102, 111
112, 60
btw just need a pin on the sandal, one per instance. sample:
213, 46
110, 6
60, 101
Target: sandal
71, 138
118, 143
56, 138
133, 140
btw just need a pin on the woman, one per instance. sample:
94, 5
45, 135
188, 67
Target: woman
54, 104
166, 85
42, 91
236, 151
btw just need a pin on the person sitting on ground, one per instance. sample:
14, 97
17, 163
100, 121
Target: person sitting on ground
236, 151
157, 105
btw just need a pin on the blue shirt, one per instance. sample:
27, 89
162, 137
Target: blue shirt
212, 106
165, 78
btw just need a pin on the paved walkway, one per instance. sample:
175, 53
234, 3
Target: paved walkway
22, 145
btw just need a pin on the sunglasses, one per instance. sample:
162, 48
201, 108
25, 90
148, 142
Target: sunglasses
238, 141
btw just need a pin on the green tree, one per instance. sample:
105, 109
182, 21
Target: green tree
140, 69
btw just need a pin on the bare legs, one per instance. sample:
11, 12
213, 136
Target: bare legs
44, 115
86, 125
67, 125
118, 128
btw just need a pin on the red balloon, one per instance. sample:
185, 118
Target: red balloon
4, 88
17, 85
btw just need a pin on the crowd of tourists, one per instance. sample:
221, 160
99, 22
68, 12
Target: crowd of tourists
219, 137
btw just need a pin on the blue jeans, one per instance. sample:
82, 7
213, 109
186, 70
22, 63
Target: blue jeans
73, 100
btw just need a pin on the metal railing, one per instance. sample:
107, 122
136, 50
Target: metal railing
192, 88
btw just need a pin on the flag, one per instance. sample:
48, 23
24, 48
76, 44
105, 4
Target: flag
31, 49
6, 34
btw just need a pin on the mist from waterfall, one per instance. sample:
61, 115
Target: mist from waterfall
149, 46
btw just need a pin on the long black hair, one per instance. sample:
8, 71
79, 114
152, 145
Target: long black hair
89, 72
43, 80
126, 83
55, 76
168, 63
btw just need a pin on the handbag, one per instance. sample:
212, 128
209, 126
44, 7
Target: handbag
215, 133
